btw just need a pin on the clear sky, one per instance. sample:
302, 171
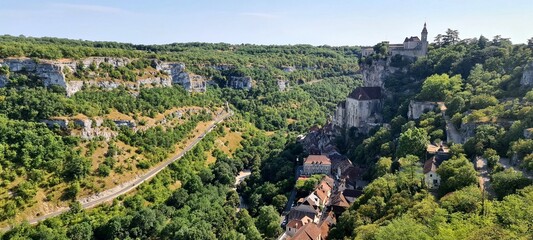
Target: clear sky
331, 22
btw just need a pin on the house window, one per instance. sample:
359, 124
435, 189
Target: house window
435, 182
430, 175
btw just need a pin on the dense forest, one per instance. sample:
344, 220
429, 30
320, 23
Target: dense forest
477, 79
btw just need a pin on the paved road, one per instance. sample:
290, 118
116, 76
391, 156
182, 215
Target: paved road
451, 132
113, 193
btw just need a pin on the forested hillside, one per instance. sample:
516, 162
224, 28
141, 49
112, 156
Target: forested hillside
57, 149
480, 81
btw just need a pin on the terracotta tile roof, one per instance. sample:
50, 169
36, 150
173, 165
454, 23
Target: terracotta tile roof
430, 165
339, 200
328, 180
308, 232
324, 230
295, 223
317, 159
366, 93
322, 195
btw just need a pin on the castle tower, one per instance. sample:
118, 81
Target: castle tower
424, 40
424, 34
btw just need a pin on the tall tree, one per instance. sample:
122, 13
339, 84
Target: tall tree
268, 222
413, 141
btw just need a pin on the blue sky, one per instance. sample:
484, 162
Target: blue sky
336, 22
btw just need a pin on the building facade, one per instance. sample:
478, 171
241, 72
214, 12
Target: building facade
361, 108
317, 164
411, 46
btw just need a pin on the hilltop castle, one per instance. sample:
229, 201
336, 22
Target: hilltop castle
411, 46
362, 108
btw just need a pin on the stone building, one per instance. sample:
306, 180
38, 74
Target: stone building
317, 164
411, 46
360, 109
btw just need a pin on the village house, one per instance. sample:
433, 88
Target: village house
438, 154
317, 164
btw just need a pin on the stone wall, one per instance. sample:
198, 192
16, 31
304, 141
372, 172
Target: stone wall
527, 76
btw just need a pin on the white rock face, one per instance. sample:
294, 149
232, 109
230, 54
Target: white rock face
374, 75
416, 109
527, 77
189, 81
240, 82
283, 84
51, 72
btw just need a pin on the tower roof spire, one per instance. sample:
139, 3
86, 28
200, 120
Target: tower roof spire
424, 30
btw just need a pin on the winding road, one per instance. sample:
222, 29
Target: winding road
124, 188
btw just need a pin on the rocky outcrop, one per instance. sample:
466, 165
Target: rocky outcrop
3, 81
283, 84
416, 109
114, 61
61, 123
374, 75
53, 73
528, 133
288, 69
85, 128
527, 76
125, 123
50, 73
240, 82
191, 82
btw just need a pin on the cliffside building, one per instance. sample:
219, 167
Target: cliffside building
360, 109
411, 46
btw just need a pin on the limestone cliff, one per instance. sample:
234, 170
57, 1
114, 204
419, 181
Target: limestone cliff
527, 77
240, 82
374, 74
191, 82
53, 73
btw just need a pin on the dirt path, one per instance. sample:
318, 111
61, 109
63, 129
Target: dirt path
123, 188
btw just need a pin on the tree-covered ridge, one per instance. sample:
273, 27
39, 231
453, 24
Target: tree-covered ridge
263, 63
